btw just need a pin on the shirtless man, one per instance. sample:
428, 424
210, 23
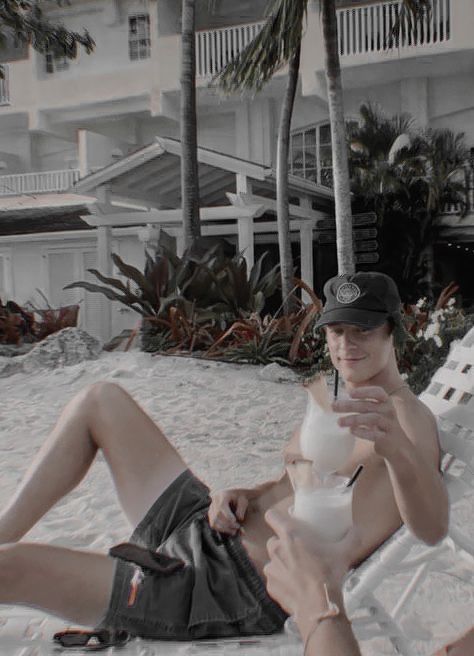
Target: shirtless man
396, 433
221, 545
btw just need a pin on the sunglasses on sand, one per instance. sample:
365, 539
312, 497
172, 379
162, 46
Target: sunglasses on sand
91, 640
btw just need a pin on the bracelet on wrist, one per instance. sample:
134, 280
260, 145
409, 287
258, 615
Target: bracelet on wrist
332, 611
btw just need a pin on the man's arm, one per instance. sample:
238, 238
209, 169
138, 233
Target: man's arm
229, 507
406, 437
417, 483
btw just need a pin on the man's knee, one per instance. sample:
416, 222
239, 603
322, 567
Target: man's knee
104, 394
13, 566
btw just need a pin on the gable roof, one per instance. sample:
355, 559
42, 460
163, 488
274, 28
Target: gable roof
152, 175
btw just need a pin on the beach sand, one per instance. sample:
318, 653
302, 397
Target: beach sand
230, 426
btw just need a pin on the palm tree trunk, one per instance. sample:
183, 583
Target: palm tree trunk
340, 167
189, 166
283, 210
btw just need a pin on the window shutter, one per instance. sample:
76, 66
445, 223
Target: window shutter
61, 272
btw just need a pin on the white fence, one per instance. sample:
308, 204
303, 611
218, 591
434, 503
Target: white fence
370, 28
4, 85
216, 48
37, 183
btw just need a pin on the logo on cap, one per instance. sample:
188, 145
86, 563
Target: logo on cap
348, 292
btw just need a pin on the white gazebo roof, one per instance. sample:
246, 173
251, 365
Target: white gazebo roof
151, 175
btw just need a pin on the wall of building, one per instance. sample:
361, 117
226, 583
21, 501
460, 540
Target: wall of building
49, 153
50, 264
109, 29
15, 147
451, 101
217, 131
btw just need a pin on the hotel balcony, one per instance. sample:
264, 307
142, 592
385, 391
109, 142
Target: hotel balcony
39, 182
216, 48
370, 51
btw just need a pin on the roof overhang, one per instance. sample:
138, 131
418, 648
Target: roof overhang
30, 213
152, 176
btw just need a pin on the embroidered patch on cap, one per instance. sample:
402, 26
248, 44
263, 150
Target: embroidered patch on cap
348, 292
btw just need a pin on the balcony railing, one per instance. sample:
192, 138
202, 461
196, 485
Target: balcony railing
370, 28
216, 48
41, 182
4, 85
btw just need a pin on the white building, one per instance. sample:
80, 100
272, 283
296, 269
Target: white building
94, 122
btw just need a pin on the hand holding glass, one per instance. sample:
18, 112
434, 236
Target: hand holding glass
326, 505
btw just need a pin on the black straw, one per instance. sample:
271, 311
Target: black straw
354, 476
336, 383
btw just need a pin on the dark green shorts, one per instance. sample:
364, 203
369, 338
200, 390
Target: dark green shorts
219, 593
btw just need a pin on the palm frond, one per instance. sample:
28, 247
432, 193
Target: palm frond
408, 20
269, 51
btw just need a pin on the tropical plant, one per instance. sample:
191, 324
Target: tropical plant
431, 328
407, 176
275, 45
23, 21
188, 126
288, 339
51, 320
13, 323
28, 323
191, 297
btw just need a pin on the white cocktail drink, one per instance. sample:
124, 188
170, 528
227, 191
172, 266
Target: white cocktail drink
323, 441
327, 509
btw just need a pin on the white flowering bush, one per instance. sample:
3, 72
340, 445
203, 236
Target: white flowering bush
430, 333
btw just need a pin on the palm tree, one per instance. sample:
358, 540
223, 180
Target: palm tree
283, 205
271, 49
24, 23
278, 42
188, 126
407, 177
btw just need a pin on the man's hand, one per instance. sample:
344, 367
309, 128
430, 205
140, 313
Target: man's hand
227, 510
376, 419
300, 564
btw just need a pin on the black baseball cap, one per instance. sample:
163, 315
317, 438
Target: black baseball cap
366, 299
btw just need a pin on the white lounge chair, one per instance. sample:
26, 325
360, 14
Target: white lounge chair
450, 396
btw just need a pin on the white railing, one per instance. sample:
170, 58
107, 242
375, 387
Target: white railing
216, 48
38, 183
4, 85
370, 28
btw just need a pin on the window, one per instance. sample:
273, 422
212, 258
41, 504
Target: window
139, 43
55, 62
311, 153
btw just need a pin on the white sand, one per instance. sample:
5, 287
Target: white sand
229, 426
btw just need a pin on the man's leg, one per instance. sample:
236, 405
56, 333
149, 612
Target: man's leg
104, 416
74, 585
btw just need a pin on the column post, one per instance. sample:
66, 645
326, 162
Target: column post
104, 261
245, 225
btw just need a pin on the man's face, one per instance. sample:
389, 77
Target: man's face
359, 354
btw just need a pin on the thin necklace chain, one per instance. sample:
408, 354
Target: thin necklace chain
397, 389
